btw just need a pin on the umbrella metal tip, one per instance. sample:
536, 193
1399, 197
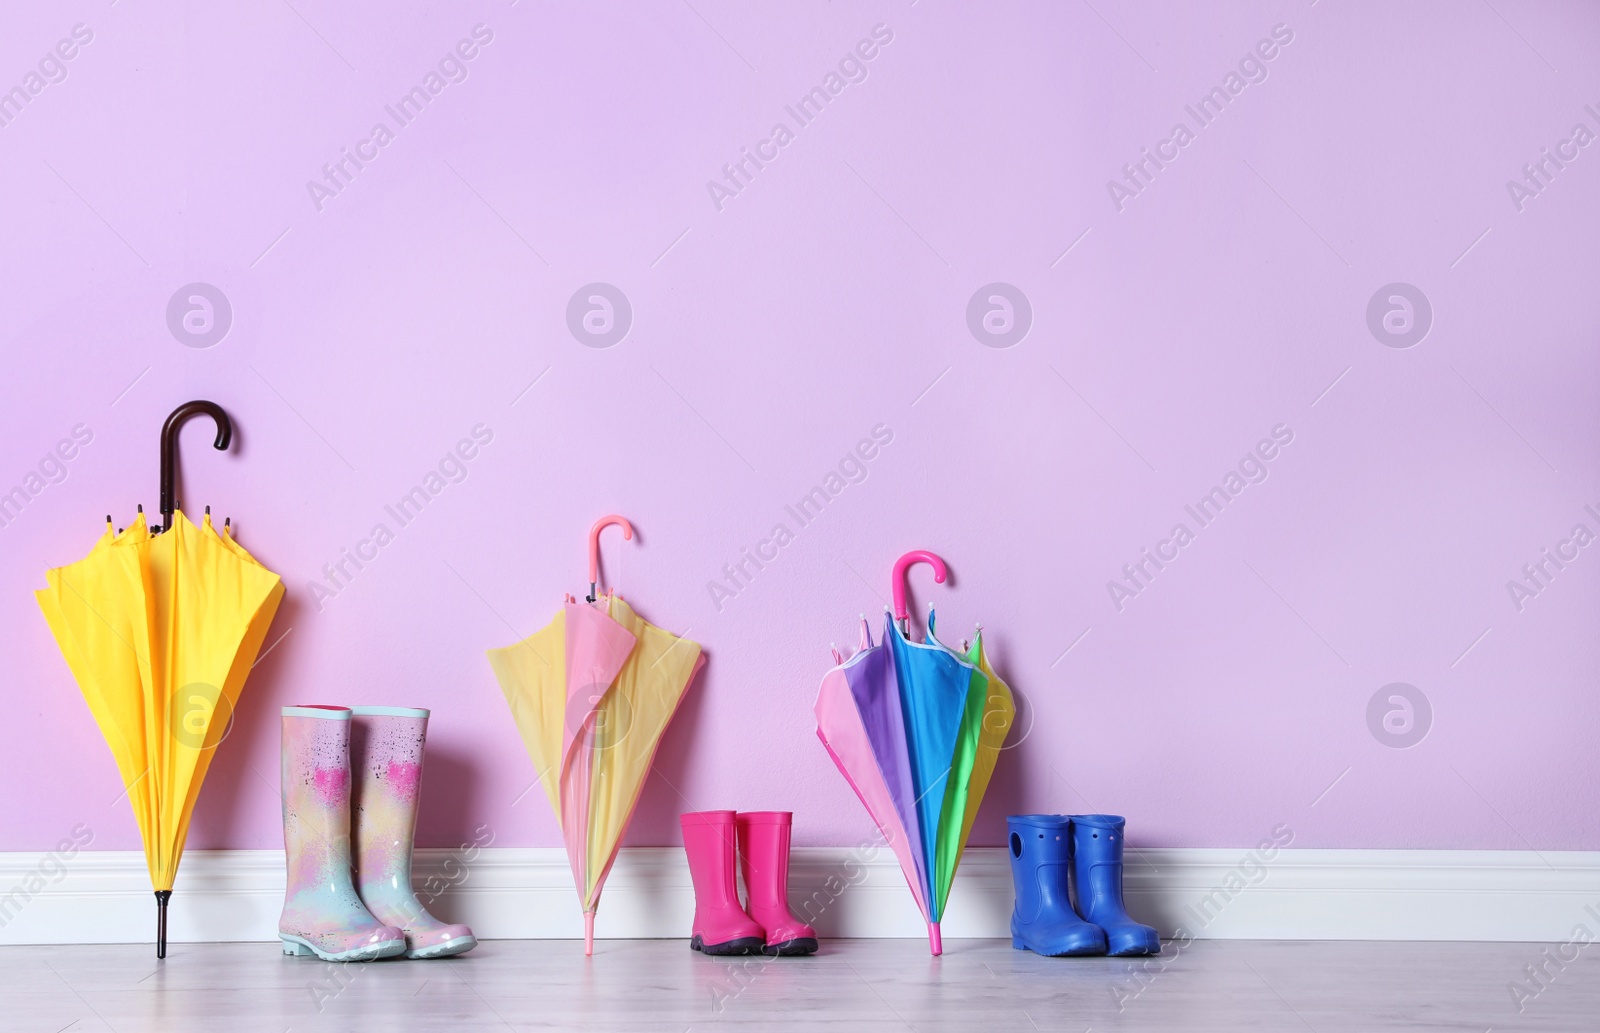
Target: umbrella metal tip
162, 896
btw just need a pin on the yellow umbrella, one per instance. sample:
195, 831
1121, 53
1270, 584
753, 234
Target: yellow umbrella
592, 693
160, 627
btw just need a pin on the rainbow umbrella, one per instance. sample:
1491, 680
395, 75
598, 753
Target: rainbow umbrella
916, 729
592, 693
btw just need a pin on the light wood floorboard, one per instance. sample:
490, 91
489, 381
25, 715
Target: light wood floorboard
868, 985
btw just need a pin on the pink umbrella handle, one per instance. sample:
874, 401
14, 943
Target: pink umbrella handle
935, 940
898, 578
594, 547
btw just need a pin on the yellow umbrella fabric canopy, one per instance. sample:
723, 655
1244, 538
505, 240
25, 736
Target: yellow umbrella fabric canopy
160, 631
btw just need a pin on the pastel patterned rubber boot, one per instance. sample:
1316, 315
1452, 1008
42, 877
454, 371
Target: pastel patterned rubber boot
321, 913
764, 860
720, 924
1097, 884
386, 757
1043, 920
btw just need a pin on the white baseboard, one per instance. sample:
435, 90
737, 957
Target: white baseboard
232, 895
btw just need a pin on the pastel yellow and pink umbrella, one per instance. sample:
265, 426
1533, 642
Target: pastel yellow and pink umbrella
592, 693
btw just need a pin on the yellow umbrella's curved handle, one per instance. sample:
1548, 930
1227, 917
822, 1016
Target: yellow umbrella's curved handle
169, 450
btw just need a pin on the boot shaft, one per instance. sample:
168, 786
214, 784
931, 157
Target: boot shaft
1040, 847
1097, 861
1097, 869
316, 788
764, 855
711, 842
721, 925
764, 860
386, 748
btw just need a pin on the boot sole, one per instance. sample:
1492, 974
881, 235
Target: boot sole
295, 946
1091, 951
791, 948
449, 948
742, 945
1136, 952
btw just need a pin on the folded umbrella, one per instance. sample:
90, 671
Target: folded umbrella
916, 729
592, 693
160, 627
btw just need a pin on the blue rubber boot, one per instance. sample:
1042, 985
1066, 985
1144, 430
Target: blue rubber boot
1043, 920
1097, 884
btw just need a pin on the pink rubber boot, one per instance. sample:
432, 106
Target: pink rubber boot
764, 860
321, 913
386, 756
720, 924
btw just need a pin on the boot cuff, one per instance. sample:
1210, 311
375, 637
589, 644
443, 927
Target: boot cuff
1041, 821
1100, 821
766, 817
694, 818
390, 712
327, 713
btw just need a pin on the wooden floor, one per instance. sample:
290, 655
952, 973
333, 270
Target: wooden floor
982, 985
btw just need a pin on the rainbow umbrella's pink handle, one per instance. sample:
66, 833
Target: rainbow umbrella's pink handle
898, 578
935, 939
594, 547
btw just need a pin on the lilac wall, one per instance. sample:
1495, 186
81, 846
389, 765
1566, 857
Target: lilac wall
1173, 322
